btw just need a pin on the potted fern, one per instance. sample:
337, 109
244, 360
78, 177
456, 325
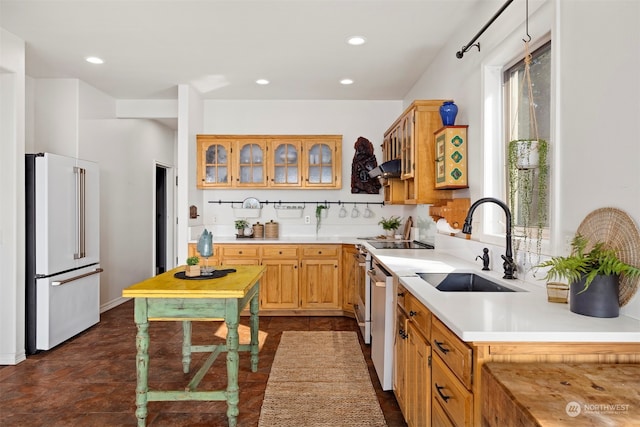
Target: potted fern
193, 267
593, 275
391, 224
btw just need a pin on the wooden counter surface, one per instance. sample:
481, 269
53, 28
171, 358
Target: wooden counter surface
165, 285
560, 394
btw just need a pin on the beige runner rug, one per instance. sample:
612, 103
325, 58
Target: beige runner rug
320, 379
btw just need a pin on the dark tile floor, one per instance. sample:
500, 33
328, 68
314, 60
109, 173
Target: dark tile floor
90, 380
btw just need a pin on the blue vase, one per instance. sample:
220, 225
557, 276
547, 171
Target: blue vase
448, 112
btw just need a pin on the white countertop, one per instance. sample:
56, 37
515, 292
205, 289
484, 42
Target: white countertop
499, 316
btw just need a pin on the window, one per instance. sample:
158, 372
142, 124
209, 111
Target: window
528, 218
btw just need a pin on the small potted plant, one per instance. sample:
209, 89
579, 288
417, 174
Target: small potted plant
240, 225
390, 225
593, 277
193, 267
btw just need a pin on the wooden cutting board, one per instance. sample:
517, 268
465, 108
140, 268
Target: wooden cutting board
407, 228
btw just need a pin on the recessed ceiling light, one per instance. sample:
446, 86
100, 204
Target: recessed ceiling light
346, 81
94, 60
262, 81
356, 40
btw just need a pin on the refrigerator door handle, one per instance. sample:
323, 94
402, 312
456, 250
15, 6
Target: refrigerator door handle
81, 276
81, 176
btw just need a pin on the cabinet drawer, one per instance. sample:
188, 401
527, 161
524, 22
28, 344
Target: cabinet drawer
418, 314
237, 251
453, 351
280, 252
450, 394
439, 417
321, 251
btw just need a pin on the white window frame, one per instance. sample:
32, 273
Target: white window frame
504, 55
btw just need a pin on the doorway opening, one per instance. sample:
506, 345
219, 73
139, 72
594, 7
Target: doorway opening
163, 220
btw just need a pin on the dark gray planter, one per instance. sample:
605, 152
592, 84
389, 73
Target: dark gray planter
599, 300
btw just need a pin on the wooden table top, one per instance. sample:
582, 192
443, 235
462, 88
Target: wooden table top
165, 285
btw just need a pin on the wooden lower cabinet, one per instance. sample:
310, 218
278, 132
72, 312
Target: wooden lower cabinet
455, 396
400, 366
418, 378
350, 271
320, 284
279, 286
299, 279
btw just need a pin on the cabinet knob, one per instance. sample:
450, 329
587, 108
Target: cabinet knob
240, 252
319, 252
400, 294
279, 252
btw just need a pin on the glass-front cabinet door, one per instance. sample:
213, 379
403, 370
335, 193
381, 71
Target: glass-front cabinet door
407, 146
286, 163
322, 164
251, 164
214, 159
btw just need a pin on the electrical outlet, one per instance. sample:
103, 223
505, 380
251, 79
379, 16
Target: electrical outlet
307, 219
214, 219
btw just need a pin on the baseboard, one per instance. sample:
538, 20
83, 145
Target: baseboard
113, 303
12, 358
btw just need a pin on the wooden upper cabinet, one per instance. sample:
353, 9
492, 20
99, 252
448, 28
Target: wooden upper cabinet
250, 163
414, 132
322, 164
286, 156
214, 162
269, 161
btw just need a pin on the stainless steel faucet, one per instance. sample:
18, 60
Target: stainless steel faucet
509, 265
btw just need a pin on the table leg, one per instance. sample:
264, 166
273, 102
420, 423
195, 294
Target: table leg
254, 306
142, 359
232, 393
186, 345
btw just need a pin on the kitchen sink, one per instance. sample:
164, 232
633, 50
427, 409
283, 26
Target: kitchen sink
463, 282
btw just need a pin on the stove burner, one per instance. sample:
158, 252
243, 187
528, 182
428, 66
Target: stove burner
400, 245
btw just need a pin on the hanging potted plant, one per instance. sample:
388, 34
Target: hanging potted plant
593, 277
528, 171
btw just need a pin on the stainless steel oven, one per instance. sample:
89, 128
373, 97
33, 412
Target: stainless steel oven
363, 292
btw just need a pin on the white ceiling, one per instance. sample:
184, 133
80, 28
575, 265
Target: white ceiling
151, 46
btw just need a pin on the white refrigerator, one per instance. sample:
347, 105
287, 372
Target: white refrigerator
62, 248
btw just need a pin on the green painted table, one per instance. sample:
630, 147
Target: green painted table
165, 297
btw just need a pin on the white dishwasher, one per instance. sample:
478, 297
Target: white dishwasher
382, 323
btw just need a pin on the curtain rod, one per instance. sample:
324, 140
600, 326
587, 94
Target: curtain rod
469, 45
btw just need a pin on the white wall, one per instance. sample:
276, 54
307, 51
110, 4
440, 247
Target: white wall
12, 137
351, 119
127, 152
596, 115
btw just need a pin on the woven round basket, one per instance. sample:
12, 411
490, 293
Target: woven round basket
617, 230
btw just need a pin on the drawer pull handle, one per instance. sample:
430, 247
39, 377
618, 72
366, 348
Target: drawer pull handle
440, 347
402, 334
413, 313
443, 396
400, 294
